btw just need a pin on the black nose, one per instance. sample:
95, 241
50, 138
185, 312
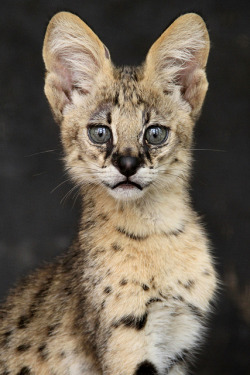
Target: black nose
128, 165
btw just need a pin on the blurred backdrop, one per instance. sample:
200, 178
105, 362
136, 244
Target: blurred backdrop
38, 218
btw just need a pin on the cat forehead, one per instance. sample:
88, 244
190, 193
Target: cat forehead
127, 86
129, 95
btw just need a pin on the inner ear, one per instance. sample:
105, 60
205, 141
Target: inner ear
177, 60
74, 58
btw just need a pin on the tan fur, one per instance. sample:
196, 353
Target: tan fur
132, 294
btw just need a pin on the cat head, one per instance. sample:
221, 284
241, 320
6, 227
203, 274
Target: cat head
127, 130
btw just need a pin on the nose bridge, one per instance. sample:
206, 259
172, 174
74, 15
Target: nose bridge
127, 131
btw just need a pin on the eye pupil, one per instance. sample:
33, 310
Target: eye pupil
156, 135
99, 134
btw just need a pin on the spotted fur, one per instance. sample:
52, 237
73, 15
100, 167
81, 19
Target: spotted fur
132, 294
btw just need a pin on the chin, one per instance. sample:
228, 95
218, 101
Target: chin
126, 193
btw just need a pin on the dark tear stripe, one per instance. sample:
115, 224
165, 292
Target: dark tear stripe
116, 99
131, 235
146, 368
109, 118
146, 150
132, 321
147, 117
24, 371
109, 148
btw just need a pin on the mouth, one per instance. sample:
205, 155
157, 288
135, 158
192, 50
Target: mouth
127, 184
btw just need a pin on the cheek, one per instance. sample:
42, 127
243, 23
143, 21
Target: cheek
93, 156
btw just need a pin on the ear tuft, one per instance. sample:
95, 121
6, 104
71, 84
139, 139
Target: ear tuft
177, 60
74, 56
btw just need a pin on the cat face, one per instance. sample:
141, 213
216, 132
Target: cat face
127, 130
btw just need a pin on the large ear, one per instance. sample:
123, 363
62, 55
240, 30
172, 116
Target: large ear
177, 60
74, 58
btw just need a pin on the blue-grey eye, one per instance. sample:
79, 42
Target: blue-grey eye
156, 135
99, 134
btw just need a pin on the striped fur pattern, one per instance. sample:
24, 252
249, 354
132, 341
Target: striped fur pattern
132, 294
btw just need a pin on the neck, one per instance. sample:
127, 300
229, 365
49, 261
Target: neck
155, 213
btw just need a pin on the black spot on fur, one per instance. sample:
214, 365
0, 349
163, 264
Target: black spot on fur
102, 305
196, 311
167, 92
42, 350
206, 273
132, 321
123, 282
131, 235
6, 337
146, 368
178, 298
116, 247
175, 161
3, 314
145, 287
38, 299
153, 300
23, 322
88, 224
24, 371
62, 355
103, 217
108, 289
51, 329
189, 284
23, 347
164, 296
176, 232
68, 290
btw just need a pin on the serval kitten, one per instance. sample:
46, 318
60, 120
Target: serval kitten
132, 294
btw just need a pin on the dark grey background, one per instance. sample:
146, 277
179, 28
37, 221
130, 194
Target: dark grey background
35, 226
